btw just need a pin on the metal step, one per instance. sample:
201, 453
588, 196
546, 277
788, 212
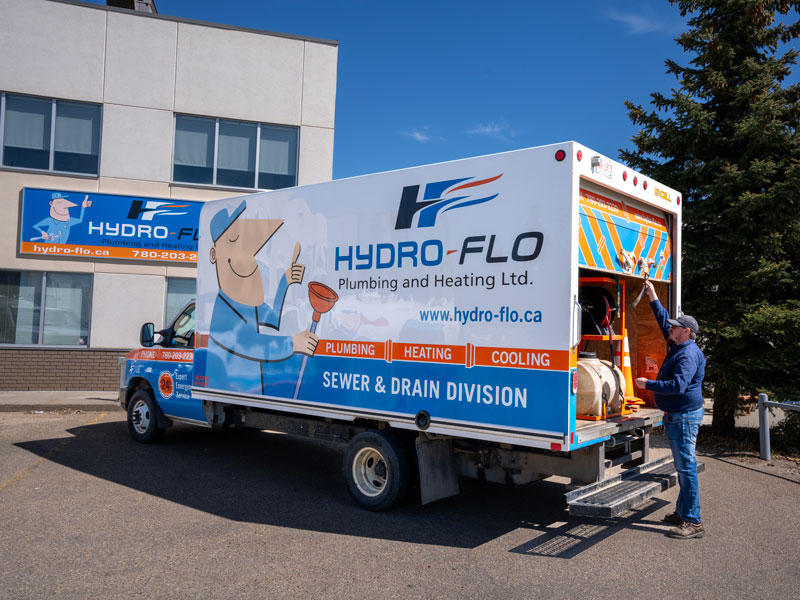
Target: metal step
613, 496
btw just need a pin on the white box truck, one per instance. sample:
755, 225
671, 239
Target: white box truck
472, 318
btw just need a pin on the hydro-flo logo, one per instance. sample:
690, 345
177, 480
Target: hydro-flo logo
437, 198
146, 210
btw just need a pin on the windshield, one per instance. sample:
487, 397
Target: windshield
183, 328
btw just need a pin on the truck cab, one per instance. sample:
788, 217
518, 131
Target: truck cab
157, 378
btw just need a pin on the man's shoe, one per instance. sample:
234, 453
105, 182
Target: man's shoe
687, 531
673, 519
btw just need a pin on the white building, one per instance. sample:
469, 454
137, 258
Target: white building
125, 107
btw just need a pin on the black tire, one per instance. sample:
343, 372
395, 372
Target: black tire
378, 469
142, 418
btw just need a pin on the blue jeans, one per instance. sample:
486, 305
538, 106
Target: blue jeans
682, 431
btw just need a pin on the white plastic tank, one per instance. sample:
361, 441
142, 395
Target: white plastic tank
599, 382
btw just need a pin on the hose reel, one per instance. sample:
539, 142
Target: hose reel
599, 309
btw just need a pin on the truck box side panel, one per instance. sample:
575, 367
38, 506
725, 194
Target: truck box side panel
446, 289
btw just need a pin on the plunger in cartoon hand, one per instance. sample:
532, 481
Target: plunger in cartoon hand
322, 299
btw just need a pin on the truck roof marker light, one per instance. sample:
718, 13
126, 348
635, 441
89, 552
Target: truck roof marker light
635, 180
644, 184
560, 155
679, 200
624, 176
580, 155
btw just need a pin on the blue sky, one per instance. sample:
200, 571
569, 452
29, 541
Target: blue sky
429, 81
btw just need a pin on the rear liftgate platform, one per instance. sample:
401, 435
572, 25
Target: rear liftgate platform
613, 496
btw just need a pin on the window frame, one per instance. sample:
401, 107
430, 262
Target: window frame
215, 159
51, 150
42, 305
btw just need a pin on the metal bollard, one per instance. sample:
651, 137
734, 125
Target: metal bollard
763, 427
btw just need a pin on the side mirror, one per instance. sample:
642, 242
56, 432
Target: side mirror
147, 334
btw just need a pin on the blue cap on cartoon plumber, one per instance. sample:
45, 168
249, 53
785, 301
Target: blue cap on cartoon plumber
57, 195
223, 219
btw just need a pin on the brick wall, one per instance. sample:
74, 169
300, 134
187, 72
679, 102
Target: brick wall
43, 369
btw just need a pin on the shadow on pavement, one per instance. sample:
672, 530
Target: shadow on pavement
569, 539
257, 477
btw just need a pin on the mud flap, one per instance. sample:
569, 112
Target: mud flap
437, 469
162, 421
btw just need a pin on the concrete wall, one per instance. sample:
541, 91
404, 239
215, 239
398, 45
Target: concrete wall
52, 49
142, 298
146, 76
221, 72
144, 68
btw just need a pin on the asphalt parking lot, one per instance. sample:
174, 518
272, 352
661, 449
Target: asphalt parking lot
88, 513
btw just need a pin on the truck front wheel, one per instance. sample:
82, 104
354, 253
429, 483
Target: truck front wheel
378, 469
142, 421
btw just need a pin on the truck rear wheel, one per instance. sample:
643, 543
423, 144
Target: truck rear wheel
378, 469
142, 420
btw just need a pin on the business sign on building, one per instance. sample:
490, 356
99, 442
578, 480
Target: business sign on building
87, 225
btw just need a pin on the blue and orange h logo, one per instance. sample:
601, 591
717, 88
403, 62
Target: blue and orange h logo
436, 198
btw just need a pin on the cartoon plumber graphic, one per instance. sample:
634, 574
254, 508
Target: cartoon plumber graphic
240, 357
59, 222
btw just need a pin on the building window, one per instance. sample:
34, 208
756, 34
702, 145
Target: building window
277, 163
179, 293
194, 150
234, 153
50, 309
49, 135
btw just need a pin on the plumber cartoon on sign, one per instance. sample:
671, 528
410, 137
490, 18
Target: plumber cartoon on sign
240, 357
59, 222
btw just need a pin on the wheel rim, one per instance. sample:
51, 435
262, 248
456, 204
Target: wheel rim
369, 472
140, 416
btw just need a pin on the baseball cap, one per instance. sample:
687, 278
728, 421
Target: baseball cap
223, 219
685, 321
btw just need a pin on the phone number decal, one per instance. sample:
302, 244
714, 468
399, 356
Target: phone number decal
165, 255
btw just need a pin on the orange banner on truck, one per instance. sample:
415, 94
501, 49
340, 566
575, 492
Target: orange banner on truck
469, 355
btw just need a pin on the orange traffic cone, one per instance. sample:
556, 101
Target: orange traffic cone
630, 397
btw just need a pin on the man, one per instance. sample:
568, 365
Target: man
678, 392
59, 222
240, 357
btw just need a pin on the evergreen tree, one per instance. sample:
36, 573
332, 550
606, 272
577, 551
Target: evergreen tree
727, 138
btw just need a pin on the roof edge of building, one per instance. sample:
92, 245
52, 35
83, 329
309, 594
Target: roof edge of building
196, 22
